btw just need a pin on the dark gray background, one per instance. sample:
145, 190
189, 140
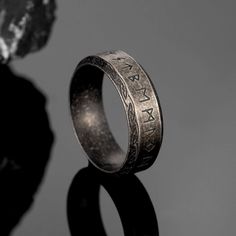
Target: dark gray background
188, 47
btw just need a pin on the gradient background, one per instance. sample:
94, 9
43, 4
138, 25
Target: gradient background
188, 47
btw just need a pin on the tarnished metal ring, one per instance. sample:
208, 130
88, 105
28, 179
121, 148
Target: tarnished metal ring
142, 108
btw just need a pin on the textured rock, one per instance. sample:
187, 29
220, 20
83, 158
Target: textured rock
25, 26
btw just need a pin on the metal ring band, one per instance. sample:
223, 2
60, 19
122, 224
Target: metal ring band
140, 103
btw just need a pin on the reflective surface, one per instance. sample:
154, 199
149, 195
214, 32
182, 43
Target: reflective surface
128, 194
26, 140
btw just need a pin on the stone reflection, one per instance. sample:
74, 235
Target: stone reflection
128, 194
26, 141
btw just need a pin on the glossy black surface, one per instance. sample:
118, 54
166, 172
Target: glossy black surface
128, 194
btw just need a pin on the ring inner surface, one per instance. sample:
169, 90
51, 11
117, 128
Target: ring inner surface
90, 122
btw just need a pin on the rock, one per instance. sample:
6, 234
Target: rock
26, 140
25, 26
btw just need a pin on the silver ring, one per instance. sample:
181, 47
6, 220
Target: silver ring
141, 106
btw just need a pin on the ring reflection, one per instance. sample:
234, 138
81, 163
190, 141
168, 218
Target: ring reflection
132, 201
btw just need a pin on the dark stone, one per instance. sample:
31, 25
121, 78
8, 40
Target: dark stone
25, 26
26, 140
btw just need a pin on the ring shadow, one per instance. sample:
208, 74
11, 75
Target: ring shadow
132, 201
26, 140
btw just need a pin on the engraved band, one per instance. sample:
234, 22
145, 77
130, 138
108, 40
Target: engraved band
141, 105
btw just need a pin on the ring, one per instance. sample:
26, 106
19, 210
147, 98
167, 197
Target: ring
142, 108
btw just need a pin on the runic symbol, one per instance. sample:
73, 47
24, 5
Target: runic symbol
134, 77
150, 116
127, 66
145, 96
118, 59
145, 161
150, 131
150, 146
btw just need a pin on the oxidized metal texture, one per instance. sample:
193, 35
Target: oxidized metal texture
25, 26
141, 106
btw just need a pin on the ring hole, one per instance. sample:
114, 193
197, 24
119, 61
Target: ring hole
115, 113
110, 216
